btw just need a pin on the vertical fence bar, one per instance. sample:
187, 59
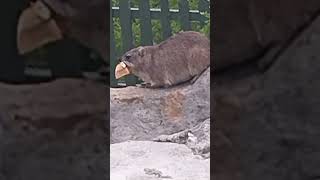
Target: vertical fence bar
203, 6
126, 33
165, 19
113, 62
184, 15
145, 21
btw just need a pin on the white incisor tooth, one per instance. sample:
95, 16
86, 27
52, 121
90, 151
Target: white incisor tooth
41, 10
123, 64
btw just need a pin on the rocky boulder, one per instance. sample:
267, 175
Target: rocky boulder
143, 114
177, 118
53, 131
267, 122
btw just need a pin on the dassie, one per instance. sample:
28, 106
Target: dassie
178, 59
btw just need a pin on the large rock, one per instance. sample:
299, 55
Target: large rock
143, 114
179, 115
245, 29
267, 123
143, 160
53, 131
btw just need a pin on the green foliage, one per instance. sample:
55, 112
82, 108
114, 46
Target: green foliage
156, 26
206, 28
136, 31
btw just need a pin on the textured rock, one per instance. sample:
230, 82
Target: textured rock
53, 131
199, 139
142, 114
133, 160
267, 123
196, 138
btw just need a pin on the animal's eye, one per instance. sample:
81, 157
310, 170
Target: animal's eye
128, 56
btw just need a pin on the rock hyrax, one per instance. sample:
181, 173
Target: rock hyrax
178, 59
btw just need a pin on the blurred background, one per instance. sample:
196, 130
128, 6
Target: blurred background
64, 58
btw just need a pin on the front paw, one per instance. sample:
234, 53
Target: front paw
145, 85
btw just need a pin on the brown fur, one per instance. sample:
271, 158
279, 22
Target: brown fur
176, 60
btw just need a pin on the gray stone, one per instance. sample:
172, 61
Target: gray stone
143, 114
196, 138
178, 118
147, 160
267, 123
53, 131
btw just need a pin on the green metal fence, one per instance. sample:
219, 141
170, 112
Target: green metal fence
164, 14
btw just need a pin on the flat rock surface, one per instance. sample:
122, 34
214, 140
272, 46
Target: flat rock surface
129, 159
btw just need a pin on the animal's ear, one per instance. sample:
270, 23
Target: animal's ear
141, 51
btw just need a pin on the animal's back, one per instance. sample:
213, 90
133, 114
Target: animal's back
183, 56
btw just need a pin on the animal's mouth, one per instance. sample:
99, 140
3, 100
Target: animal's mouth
36, 28
121, 70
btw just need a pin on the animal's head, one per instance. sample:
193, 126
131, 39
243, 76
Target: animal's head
131, 62
46, 21
36, 27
